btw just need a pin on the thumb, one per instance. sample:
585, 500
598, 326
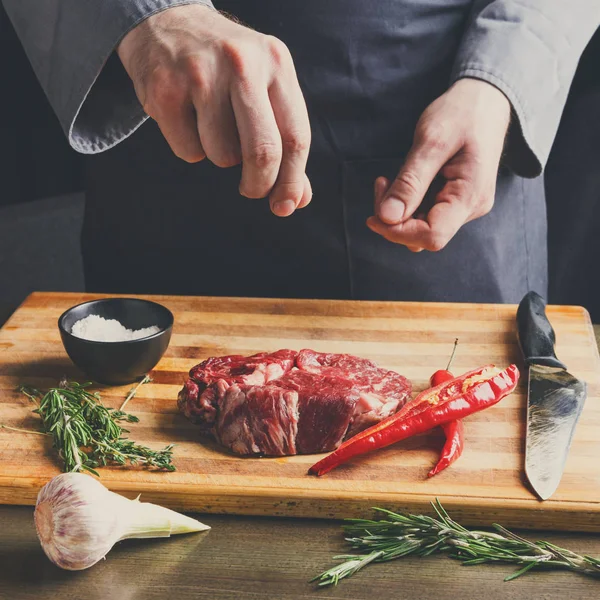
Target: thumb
424, 161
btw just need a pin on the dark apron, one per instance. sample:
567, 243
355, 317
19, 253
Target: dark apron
155, 224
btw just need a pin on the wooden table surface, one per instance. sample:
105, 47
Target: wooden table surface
260, 558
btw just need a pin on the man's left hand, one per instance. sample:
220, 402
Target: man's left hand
460, 136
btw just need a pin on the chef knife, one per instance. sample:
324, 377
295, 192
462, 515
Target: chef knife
554, 400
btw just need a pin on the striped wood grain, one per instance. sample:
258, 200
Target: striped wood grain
485, 485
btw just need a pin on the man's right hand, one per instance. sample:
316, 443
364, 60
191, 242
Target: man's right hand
223, 91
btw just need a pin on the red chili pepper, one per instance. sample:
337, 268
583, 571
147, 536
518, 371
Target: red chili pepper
453, 447
439, 377
449, 401
444, 374
454, 431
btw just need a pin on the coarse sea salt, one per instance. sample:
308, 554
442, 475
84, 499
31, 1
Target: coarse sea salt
99, 329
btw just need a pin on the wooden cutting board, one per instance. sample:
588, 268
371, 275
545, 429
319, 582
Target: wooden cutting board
485, 485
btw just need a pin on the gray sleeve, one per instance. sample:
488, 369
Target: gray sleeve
530, 50
70, 44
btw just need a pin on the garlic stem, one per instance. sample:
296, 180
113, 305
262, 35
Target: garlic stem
78, 520
146, 520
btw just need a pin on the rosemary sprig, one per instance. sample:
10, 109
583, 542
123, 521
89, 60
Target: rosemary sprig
87, 434
405, 534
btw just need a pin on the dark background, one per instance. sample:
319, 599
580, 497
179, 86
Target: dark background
42, 181
35, 158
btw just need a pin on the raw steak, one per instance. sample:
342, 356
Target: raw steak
289, 402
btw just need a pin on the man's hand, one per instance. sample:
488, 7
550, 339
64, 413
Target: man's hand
222, 91
460, 136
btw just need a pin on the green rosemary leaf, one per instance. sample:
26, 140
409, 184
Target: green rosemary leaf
119, 415
520, 572
473, 562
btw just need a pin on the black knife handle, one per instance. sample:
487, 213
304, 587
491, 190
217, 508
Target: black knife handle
536, 336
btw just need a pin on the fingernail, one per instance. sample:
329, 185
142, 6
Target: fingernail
284, 208
391, 211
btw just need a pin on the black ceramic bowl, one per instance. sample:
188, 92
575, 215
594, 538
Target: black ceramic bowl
118, 363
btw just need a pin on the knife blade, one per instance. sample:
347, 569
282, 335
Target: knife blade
555, 399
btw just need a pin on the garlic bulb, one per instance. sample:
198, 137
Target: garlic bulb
78, 520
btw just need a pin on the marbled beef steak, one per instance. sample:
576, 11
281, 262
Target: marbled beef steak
289, 402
